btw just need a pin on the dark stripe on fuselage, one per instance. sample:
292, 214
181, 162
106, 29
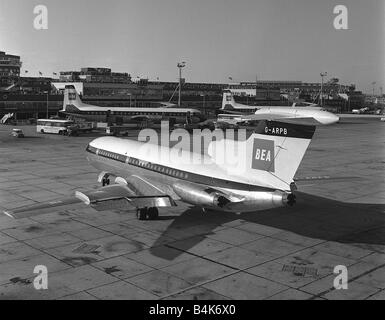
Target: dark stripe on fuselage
175, 173
283, 129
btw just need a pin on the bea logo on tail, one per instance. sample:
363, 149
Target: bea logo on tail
263, 155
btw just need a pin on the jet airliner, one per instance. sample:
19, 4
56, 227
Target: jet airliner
235, 113
146, 178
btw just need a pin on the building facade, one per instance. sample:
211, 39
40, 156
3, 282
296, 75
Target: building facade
9, 69
30, 96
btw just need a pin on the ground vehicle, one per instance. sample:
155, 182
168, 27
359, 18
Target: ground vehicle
53, 126
360, 111
17, 133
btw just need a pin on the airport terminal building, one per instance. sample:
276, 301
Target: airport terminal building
34, 97
9, 69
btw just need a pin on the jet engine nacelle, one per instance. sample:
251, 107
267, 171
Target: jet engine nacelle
200, 195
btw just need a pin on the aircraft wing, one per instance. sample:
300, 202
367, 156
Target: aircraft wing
121, 197
142, 187
116, 196
77, 115
40, 208
167, 104
140, 118
224, 111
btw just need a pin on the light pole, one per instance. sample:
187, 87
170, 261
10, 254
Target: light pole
204, 103
47, 104
180, 65
322, 74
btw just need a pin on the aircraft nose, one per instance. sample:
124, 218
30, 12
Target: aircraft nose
331, 118
334, 118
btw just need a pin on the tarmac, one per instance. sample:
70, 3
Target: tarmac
285, 253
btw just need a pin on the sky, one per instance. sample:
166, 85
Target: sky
218, 39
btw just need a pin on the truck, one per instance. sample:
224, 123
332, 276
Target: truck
80, 127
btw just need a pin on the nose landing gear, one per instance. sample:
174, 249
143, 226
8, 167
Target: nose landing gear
147, 213
104, 178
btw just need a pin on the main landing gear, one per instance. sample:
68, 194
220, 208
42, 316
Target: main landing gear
147, 213
105, 181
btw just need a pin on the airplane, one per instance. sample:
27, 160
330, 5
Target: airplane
73, 106
311, 114
146, 177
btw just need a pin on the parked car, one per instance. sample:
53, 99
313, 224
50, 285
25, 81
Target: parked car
17, 133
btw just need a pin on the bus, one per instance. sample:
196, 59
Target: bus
53, 126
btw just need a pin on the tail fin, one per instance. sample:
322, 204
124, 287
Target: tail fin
269, 156
71, 99
228, 101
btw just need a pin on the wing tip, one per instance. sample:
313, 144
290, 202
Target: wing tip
83, 197
9, 214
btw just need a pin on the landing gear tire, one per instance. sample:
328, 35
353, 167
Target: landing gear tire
147, 213
105, 182
152, 213
141, 214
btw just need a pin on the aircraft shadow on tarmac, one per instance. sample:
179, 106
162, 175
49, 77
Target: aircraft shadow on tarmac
312, 216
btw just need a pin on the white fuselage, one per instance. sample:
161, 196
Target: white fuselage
126, 159
319, 114
132, 114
